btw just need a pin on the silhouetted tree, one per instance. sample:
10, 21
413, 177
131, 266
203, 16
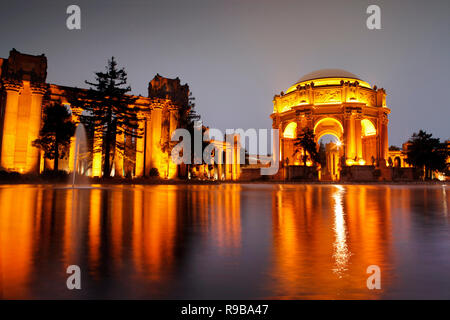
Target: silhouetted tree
188, 118
246, 157
188, 114
427, 153
322, 155
306, 141
109, 109
55, 134
394, 148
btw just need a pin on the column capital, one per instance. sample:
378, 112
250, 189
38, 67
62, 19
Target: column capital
12, 85
347, 114
358, 115
38, 89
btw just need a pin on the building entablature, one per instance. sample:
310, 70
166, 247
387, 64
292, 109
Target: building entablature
318, 96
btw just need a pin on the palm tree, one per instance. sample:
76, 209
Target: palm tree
306, 142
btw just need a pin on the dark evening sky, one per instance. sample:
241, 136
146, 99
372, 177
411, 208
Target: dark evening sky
235, 55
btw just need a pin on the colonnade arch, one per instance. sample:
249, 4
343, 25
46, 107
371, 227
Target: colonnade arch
357, 135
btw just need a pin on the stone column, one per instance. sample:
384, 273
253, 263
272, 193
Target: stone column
97, 153
34, 125
148, 144
229, 161
298, 121
156, 126
358, 141
352, 138
348, 137
173, 123
72, 154
384, 143
280, 144
41, 161
10, 124
139, 172
128, 152
119, 155
237, 162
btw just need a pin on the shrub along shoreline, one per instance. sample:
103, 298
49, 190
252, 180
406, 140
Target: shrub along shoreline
62, 177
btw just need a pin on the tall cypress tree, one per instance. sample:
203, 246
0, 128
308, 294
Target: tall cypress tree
109, 109
187, 120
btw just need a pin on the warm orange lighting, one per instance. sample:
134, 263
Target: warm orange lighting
97, 154
97, 165
328, 121
353, 224
349, 162
368, 129
290, 130
327, 82
341, 252
335, 102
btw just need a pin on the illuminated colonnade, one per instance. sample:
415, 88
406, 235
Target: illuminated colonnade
24, 94
228, 167
157, 119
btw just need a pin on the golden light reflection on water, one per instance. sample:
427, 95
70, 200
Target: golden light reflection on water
17, 228
269, 241
325, 237
444, 201
341, 253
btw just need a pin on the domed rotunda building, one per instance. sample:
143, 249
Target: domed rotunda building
339, 103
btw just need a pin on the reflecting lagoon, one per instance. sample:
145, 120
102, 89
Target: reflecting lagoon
228, 241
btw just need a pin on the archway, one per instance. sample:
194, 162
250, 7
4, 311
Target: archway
330, 126
330, 153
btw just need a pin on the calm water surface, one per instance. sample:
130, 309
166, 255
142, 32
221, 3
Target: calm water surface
225, 241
